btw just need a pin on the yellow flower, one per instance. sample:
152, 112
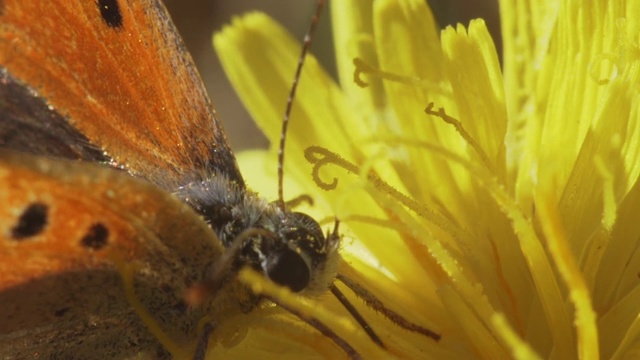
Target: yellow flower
504, 216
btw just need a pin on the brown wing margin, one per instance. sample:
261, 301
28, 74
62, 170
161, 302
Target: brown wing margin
27, 124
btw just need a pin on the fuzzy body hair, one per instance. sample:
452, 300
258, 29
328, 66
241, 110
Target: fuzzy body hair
230, 209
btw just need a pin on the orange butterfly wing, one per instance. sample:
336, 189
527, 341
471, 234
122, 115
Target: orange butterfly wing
65, 227
119, 73
108, 81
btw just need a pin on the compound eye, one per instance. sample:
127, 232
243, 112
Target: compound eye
305, 225
289, 269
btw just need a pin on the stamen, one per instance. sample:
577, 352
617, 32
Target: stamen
561, 253
463, 133
609, 206
531, 246
520, 349
361, 67
320, 157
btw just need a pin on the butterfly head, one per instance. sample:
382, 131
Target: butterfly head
288, 247
298, 255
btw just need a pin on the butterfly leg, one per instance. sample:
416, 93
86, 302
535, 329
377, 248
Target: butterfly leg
203, 342
375, 303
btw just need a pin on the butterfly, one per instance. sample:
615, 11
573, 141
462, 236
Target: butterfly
110, 82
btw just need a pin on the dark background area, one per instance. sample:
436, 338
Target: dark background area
198, 19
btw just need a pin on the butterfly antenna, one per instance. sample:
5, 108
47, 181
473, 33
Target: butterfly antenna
292, 93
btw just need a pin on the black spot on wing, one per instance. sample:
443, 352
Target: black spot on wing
32, 221
96, 238
110, 12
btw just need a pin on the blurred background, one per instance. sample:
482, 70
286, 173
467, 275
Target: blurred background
198, 19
